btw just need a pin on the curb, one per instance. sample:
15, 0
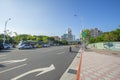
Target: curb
70, 73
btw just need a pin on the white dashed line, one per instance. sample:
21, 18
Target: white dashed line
14, 61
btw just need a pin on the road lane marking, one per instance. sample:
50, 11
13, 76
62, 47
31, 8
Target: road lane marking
44, 70
13, 61
2, 55
47, 69
61, 53
12, 68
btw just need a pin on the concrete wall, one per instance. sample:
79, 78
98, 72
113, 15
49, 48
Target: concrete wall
106, 45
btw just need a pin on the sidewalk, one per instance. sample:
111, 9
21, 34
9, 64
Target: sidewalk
95, 66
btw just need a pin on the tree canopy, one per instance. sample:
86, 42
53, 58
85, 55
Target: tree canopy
112, 36
25, 37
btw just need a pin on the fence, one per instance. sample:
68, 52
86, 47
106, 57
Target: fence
106, 45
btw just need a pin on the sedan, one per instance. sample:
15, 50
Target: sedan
25, 46
6, 46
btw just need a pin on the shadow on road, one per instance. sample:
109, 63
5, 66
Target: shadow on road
4, 51
29, 49
74, 52
2, 66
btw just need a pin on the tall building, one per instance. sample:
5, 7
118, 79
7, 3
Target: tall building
68, 36
95, 32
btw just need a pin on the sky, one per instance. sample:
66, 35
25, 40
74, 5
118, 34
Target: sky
54, 17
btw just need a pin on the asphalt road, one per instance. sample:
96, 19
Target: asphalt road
35, 64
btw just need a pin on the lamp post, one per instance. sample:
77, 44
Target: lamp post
5, 29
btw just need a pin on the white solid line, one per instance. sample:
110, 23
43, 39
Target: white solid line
13, 68
13, 61
61, 53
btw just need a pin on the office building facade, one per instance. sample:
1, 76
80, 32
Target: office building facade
68, 36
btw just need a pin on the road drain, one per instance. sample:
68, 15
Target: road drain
72, 71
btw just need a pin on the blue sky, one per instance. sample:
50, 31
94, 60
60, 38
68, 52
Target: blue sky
54, 17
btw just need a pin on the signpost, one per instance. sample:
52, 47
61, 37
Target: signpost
82, 36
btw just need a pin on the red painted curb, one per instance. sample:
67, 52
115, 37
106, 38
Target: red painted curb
79, 67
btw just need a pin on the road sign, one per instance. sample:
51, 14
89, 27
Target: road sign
83, 34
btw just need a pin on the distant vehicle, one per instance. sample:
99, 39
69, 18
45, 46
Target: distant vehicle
46, 45
1, 46
25, 46
6, 46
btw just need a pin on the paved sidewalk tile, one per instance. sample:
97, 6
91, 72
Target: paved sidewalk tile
100, 67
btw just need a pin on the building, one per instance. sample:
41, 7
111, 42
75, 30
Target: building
64, 37
68, 36
57, 38
95, 32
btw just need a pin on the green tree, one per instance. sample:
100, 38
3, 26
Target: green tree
45, 39
64, 42
51, 38
111, 36
38, 39
86, 36
1, 40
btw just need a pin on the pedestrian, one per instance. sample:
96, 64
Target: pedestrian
70, 49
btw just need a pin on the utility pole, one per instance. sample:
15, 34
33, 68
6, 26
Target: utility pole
5, 29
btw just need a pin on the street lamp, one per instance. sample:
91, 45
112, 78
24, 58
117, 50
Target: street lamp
5, 29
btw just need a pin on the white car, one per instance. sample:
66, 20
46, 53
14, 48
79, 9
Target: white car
25, 46
46, 45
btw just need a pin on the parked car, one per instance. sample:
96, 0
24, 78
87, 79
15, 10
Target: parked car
46, 45
6, 46
25, 46
1, 46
